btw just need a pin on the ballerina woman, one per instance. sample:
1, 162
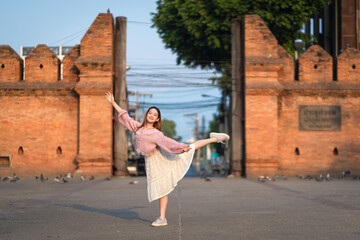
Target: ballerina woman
166, 160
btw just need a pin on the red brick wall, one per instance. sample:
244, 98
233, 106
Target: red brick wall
39, 122
317, 147
272, 100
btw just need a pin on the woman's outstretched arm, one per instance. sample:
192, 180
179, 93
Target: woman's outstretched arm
123, 116
111, 99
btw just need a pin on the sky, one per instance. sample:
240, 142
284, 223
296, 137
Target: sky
175, 89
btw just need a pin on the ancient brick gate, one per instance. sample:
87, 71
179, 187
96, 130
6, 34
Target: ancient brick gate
54, 117
284, 124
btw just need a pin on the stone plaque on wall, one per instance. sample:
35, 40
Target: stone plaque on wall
319, 118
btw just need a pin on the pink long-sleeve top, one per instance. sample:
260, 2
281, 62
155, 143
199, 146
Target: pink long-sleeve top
147, 140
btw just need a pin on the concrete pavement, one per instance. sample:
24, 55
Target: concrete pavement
217, 209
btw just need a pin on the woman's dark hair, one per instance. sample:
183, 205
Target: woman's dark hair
156, 124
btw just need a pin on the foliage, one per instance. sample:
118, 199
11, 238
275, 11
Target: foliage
199, 31
168, 128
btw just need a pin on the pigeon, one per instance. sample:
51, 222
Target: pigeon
65, 180
13, 179
16, 177
328, 178
68, 175
82, 178
355, 177
57, 179
203, 174
42, 177
284, 178
108, 178
5, 179
261, 179
36, 177
270, 178
133, 182
92, 178
319, 179
345, 173
207, 179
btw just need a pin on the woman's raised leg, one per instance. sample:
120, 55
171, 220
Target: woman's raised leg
200, 143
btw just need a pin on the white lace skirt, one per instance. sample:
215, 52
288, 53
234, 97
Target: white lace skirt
164, 170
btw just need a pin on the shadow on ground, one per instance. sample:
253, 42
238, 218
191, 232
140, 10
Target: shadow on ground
125, 213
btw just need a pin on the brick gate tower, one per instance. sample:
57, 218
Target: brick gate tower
291, 124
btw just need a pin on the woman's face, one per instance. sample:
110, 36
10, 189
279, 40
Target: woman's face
152, 116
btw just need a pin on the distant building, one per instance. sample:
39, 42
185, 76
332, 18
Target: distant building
336, 27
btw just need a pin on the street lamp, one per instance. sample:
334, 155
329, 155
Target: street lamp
298, 44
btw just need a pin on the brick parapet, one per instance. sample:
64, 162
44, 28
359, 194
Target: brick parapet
42, 65
348, 65
315, 65
11, 65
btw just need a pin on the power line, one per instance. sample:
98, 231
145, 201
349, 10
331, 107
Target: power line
69, 36
138, 22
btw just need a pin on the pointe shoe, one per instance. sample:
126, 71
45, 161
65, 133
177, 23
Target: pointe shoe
221, 137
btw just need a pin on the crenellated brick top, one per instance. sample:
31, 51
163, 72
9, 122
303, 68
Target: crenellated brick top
10, 65
42, 65
348, 65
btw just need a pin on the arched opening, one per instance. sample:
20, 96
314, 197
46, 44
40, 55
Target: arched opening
59, 150
336, 151
20, 150
297, 151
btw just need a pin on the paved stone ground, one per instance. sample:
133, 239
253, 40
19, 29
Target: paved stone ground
198, 209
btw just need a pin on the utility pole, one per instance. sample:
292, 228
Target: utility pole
197, 137
238, 157
120, 96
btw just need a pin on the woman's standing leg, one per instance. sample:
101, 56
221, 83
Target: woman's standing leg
161, 221
163, 205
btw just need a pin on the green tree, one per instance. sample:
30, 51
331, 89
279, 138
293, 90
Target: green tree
168, 128
199, 31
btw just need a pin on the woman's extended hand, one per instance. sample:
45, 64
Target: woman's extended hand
187, 148
109, 97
